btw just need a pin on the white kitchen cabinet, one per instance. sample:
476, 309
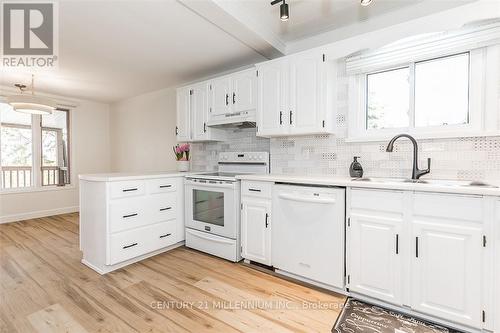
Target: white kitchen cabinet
200, 112
183, 128
221, 93
307, 80
199, 107
256, 230
256, 221
272, 113
125, 221
496, 272
425, 251
233, 95
244, 96
374, 247
293, 97
446, 266
192, 115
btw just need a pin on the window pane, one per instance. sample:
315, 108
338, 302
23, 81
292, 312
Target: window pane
55, 160
16, 148
388, 98
442, 91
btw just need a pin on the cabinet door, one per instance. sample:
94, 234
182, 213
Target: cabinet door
244, 96
375, 255
221, 95
446, 270
497, 268
272, 112
199, 111
183, 129
307, 80
256, 230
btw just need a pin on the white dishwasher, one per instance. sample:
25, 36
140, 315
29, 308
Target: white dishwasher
308, 234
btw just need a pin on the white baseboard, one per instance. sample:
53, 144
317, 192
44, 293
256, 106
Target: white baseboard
37, 214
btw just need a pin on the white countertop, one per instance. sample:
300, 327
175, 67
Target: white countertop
349, 182
305, 179
114, 177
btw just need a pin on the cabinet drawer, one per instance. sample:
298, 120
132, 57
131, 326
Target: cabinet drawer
162, 185
136, 242
379, 200
127, 214
162, 207
126, 189
256, 189
450, 206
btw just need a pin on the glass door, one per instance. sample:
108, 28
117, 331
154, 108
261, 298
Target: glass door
208, 207
212, 208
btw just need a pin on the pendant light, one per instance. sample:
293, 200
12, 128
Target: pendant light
29, 103
284, 12
365, 2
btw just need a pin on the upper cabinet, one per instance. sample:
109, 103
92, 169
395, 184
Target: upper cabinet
193, 109
232, 97
292, 95
203, 107
183, 128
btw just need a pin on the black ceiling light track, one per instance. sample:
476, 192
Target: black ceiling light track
284, 12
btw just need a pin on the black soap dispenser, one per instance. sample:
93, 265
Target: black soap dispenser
356, 170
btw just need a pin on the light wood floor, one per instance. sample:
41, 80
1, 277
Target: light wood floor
45, 288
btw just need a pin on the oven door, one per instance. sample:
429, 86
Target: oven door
212, 207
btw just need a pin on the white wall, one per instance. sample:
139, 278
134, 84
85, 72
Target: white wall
90, 153
143, 132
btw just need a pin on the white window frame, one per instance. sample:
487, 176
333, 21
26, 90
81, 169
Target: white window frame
36, 181
483, 102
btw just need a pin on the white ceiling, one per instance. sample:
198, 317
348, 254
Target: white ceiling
114, 49
110, 50
310, 17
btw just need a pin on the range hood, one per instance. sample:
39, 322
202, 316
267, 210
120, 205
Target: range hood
243, 119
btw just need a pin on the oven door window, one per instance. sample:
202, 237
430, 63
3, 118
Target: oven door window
208, 207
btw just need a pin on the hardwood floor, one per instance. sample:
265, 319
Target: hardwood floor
45, 288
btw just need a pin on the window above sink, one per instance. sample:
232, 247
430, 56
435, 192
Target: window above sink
428, 86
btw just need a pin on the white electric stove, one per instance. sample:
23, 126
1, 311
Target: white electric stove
213, 204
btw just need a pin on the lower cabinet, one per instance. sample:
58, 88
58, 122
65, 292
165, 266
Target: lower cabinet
256, 230
256, 221
125, 221
496, 273
446, 271
375, 256
421, 250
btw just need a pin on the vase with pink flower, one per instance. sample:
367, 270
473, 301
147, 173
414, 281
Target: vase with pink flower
182, 155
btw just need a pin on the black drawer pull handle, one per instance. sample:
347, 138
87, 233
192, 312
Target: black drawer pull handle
397, 243
130, 189
254, 190
416, 247
166, 208
166, 235
130, 215
165, 186
128, 246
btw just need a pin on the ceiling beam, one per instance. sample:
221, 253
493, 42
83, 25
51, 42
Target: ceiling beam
228, 16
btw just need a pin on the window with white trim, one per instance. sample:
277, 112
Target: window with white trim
434, 85
426, 93
437, 97
34, 149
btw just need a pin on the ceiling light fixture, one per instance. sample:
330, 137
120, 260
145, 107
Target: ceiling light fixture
29, 103
365, 2
284, 12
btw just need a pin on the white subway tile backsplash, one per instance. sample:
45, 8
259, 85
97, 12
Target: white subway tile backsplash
475, 158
